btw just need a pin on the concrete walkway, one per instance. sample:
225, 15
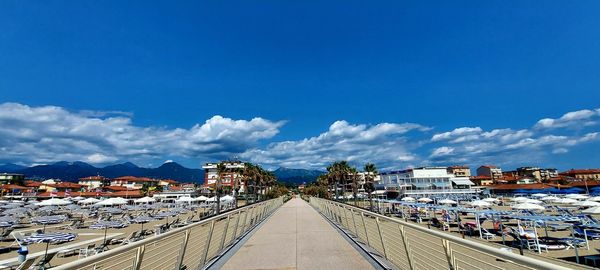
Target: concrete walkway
297, 237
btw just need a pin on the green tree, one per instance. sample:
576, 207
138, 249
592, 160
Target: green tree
370, 173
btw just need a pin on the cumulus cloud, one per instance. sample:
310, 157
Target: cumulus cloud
50, 133
386, 144
571, 119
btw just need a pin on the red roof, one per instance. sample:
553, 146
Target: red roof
65, 185
589, 183
581, 171
520, 186
12, 187
489, 166
170, 181
32, 184
481, 177
61, 194
94, 178
116, 188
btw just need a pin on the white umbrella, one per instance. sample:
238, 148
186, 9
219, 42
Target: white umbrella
185, 200
447, 201
592, 210
539, 195
480, 203
519, 199
53, 201
594, 199
532, 201
227, 198
112, 201
528, 206
78, 198
587, 203
425, 200
566, 201
490, 200
212, 199
550, 198
408, 199
201, 198
145, 200
89, 201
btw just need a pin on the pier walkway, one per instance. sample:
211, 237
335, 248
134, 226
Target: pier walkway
296, 236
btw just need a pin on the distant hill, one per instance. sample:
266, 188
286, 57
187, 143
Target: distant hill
72, 171
296, 176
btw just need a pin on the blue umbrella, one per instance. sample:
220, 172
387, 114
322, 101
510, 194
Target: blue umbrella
107, 224
50, 238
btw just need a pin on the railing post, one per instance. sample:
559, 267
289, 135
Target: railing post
139, 256
208, 238
381, 237
406, 246
345, 217
362, 216
449, 255
183, 248
224, 233
237, 223
354, 222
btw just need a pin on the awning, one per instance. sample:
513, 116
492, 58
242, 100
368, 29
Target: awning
442, 184
462, 182
422, 185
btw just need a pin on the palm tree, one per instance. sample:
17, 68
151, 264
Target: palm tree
354, 175
370, 172
221, 169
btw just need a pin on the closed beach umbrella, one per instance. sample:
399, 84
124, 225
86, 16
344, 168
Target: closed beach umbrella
53, 201
528, 206
447, 201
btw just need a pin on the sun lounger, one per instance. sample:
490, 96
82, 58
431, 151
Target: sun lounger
28, 263
44, 263
87, 251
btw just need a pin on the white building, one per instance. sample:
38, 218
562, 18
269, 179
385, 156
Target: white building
227, 178
426, 180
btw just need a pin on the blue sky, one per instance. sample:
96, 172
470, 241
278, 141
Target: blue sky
109, 81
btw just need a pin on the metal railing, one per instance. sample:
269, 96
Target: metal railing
189, 247
410, 246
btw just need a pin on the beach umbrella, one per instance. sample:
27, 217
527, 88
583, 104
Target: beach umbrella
111, 202
89, 201
480, 203
425, 200
519, 199
201, 198
145, 200
447, 201
78, 198
550, 199
72, 207
532, 201
48, 238
53, 201
528, 206
592, 210
112, 210
188, 200
212, 199
539, 195
490, 200
587, 203
107, 224
565, 201
408, 199
594, 199
227, 198
577, 196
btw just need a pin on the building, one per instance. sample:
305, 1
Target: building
12, 178
167, 183
94, 182
228, 178
425, 181
460, 171
481, 180
62, 187
132, 182
490, 170
583, 174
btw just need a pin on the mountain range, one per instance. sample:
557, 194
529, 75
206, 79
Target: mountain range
72, 171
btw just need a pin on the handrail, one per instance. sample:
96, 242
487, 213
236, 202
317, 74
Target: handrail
446, 238
266, 208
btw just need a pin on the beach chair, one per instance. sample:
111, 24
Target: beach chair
103, 247
19, 237
487, 234
6, 234
87, 251
28, 263
44, 263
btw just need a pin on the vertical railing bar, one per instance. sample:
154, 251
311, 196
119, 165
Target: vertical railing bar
139, 256
381, 237
362, 216
183, 248
208, 239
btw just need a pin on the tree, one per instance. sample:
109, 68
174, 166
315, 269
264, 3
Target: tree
370, 172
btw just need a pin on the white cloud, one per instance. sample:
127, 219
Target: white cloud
456, 134
50, 133
575, 119
386, 144
442, 151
